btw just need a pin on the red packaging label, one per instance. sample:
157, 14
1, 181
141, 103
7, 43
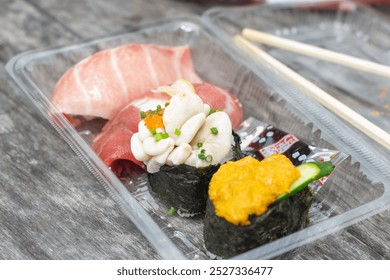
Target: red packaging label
279, 147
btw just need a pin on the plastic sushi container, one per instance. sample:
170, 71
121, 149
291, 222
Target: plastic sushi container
358, 187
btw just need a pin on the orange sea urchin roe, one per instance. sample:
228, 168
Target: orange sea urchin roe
153, 119
248, 186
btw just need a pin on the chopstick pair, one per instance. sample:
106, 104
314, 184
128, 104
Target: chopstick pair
324, 98
316, 52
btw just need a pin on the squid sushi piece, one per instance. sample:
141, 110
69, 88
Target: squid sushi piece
253, 202
182, 145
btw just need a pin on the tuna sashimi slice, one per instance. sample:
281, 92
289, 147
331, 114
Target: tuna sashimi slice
112, 145
104, 83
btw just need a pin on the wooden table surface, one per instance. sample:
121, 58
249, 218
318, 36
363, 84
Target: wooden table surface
51, 206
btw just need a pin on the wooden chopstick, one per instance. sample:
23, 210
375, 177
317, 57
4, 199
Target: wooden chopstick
316, 52
328, 101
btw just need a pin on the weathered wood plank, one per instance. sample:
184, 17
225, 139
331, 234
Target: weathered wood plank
113, 16
25, 28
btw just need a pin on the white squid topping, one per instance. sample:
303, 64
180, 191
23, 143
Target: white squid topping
190, 128
192, 135
181, 108
216, 146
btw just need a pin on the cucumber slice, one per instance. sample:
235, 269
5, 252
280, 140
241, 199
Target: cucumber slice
310, 172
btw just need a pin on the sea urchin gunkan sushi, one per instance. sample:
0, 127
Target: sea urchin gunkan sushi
182, 145
254, 202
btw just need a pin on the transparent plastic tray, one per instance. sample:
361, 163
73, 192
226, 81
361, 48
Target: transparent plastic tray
358, 188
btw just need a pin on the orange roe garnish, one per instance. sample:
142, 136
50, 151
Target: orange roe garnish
153, 119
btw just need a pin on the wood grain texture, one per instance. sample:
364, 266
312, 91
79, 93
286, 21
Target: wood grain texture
51, 206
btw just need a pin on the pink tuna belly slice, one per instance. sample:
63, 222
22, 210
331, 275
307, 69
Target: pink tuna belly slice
102, 84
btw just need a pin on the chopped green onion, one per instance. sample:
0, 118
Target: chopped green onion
171, 211
142, 114
153, 131
213, 111
158, 108
202, 156
158, 136
214, 130
199, 144
167, 104
165, 135
177, 132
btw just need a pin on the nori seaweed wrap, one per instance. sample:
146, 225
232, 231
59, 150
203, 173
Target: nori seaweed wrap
226, 240
183, 187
